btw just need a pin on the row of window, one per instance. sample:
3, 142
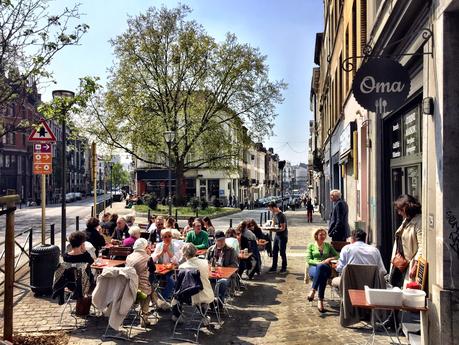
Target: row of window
12, 161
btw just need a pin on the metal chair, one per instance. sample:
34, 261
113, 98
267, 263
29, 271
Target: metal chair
70, 291
191, 315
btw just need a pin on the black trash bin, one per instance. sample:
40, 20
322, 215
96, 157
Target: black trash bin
43, 263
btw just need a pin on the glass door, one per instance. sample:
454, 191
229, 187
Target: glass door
397, 190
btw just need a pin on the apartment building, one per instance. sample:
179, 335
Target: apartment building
375, 157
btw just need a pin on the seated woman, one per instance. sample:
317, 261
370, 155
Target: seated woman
231, 239
171, 225
63, 279
206, 295
134, 235
139, 260
248, 240
93, 235
319, 256
253, 226
189, 226
208, 226
165, 254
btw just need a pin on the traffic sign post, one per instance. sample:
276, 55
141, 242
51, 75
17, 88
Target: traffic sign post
42, 137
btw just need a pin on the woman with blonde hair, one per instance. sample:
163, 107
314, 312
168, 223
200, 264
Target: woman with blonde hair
319, 256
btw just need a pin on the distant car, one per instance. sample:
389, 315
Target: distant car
117, 196
70, 197
78, 196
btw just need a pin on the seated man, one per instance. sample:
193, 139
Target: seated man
199, 238
248, 241
155, 232
204, 296
224, 256
121, 230
360, 253
165, 254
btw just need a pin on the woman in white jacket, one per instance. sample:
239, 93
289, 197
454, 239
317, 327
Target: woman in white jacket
206, 295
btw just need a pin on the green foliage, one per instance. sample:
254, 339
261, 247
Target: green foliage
195, 204
151, 201
120, 176
170, 75
204, 204
30, 38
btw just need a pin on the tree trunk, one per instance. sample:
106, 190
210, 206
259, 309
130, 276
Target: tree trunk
180, 193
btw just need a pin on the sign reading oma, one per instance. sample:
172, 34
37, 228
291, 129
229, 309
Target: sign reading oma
381, 85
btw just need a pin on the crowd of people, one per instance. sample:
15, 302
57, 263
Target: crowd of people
163, 242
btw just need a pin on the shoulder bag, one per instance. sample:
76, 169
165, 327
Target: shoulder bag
399, 260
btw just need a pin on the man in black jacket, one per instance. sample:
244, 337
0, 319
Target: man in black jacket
338, 228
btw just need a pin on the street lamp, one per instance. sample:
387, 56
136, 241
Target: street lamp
169, 136
63, 94
281, 168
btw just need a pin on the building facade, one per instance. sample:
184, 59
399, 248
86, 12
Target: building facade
374, 158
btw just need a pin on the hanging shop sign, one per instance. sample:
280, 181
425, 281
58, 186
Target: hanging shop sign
381, 85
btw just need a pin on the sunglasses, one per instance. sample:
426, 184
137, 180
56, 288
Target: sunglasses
167, 236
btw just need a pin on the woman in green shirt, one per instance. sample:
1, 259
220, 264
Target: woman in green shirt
319, 256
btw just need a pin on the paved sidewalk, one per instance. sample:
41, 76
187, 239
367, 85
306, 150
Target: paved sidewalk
273, 310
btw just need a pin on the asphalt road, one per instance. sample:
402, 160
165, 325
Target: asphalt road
31, 216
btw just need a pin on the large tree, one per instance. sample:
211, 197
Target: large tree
30, 36
170, 75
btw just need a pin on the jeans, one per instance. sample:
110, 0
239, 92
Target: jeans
224, 284
320, 275
168, 289
280, 243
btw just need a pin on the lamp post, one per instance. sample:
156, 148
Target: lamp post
281, 168
169, 136
63, 94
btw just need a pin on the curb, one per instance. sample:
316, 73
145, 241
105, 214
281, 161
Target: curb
223, 214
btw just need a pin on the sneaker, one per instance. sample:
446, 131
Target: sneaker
163, 305
272, 270
283, 270
144, 322
206, 321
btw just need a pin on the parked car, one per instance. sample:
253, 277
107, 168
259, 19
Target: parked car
78, 196
70, 197
117, 196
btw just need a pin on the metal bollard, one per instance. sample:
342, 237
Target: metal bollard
261, 218
231, 222
176, 215
197, 213
149, 214
51, 233
77, 223
92, 211
30, 240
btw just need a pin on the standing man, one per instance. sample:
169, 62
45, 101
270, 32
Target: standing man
338, 228
281, 238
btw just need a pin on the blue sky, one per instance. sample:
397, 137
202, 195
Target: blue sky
284, 30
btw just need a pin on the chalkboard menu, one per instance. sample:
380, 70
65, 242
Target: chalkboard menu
405, 135
411, 135
396, 138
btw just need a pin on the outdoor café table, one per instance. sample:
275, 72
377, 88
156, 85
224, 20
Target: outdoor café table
222, 272
163, 269
108, 263
201, 252
358, 300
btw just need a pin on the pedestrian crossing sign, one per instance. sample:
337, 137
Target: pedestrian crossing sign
42, 133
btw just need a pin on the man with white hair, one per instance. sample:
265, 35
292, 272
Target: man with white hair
338, 228
134, 234
165, 254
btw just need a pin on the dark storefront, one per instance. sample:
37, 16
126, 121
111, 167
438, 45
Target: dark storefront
402, 165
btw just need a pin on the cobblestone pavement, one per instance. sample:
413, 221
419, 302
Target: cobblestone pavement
273, 310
